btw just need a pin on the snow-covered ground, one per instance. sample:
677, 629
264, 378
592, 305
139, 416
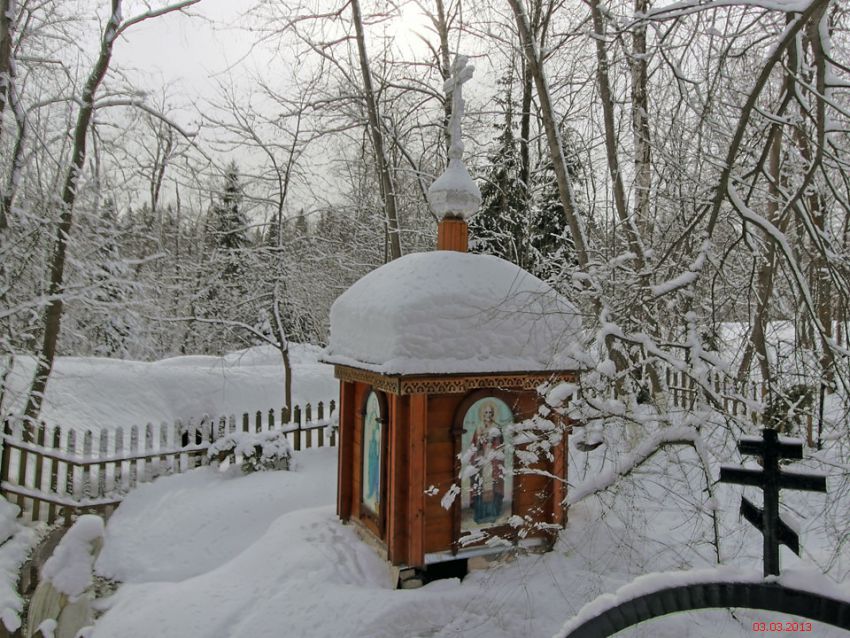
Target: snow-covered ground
224, 555
218, 554
97, 393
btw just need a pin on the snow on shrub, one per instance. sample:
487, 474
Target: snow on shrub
258, 451
69, 569
16, 542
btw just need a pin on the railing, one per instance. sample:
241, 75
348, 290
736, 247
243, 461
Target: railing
68, 471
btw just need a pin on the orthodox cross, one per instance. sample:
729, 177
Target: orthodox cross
461, 72
771, 480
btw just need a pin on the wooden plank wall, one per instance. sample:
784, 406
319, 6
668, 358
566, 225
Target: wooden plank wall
417, 464
440, 471
345, 457
398, 488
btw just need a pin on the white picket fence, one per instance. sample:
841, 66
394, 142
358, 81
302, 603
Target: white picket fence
68, 471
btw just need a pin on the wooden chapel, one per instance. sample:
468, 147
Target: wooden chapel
440, 356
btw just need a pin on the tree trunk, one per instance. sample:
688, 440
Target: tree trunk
377, 136
442, 26
642, 313
757, 345
53, 313
607, 103
553, 137
525, 116
7, 27
640, 126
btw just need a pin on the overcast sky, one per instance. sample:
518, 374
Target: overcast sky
187, 54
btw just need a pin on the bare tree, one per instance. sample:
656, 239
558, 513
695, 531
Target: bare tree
115, 26
388, 188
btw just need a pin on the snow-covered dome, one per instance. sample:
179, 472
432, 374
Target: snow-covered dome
447, 312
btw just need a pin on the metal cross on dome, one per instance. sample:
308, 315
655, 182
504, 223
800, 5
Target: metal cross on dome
461, 72
454, 194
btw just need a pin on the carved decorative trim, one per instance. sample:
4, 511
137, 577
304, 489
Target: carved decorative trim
449, 384
456, 385
377, 381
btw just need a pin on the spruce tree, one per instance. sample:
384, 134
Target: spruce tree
225, 273
501, 226
227, 226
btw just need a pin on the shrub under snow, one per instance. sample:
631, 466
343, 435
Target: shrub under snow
69, 569
16, 542
258, 451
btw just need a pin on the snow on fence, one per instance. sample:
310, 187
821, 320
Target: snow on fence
69, 471
746, 399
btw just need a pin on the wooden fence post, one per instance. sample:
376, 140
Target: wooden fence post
164, 459
331, 409
101, 468
118, 476
87, 453
177, 443
134, 449
6, 463
70, 488
56, 442
22, 476
309, 422
194, 432
296, 435
148, 462
39, 470
320, 415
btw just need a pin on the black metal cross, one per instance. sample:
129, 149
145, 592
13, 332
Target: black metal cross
771, 480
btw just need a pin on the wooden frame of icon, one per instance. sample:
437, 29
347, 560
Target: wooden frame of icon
484, 456
373, 461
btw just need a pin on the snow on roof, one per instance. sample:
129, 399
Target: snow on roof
446, 312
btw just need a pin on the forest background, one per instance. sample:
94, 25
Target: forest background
670, 167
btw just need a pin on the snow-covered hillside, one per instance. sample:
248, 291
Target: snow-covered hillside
96, 393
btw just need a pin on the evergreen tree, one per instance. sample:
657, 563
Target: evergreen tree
113, 292
223, 275
550, 244
302, 228
271, 237
524, 223
227, 226
501, 226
